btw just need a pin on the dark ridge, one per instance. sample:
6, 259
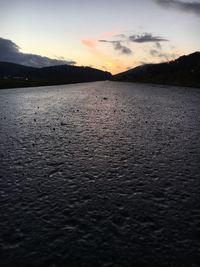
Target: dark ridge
15, 75
184, 71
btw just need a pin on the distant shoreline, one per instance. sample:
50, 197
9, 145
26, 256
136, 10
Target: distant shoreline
164, 84
24, 84
21, 84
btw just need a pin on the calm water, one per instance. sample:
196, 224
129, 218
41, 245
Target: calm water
100, 174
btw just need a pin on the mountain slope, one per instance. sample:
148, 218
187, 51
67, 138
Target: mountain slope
14, 75
184, 71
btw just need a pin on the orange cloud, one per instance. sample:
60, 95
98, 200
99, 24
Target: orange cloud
108, 62
88, 43
92, 43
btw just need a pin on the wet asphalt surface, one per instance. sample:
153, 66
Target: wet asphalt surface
100, 174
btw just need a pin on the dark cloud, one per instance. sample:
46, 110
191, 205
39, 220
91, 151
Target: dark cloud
186, 6
104, 41
146, 38
118, 46
156, 50
167, 56
10, 52
162, 55
158, 45
123, 49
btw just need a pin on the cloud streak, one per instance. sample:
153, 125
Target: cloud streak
10, 52
163, 55
186, 6
146, 38
118, 46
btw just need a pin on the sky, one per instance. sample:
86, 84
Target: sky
112, 35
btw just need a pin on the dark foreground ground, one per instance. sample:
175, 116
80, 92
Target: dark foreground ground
100, 174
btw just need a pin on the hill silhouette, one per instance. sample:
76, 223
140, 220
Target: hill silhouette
15, 75
184, 71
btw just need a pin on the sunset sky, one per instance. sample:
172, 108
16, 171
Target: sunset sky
112, 35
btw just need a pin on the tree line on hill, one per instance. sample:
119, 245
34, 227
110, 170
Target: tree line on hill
184, 71
15, 75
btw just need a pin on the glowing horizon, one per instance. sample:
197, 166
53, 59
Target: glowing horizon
112, 36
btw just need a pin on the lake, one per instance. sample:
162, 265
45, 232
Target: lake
100, 174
